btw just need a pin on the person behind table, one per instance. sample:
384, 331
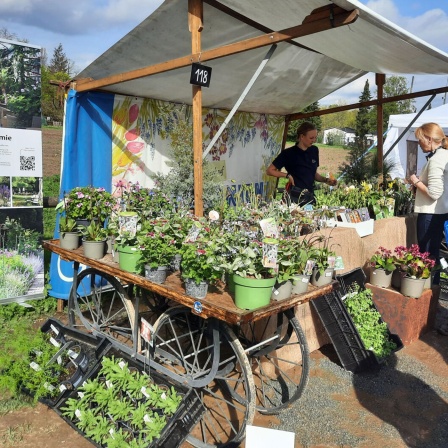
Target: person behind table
300, 161
431, 193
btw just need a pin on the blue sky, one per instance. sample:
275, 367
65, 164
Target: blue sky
87, 28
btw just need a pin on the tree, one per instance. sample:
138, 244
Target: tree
394, 86
343, 119
20, 82
52, 99
59, 62
293, 125
5, 34
357, 168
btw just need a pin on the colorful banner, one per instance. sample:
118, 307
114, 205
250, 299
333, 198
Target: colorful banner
21, 217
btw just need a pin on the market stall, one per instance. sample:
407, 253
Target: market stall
127, 130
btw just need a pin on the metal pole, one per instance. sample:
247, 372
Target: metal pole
240, 100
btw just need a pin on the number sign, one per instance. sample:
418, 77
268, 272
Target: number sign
200, 75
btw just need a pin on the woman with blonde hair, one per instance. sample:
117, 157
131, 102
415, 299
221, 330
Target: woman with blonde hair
431, 191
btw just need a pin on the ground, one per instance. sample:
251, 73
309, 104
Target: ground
52, 149
404, 405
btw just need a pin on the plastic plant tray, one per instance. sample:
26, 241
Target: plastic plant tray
92, 346
342, 332
178, 426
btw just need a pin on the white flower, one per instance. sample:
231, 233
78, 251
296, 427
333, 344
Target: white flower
213, 215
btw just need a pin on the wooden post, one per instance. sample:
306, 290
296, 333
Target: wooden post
380, 80
195, 27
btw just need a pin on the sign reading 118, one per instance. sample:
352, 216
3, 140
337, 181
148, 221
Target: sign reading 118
200, 75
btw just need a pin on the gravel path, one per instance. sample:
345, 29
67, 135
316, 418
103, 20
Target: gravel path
404, 403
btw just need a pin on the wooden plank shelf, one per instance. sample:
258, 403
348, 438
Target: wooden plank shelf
218, 303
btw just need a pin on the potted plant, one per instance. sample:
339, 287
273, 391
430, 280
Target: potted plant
157, 249
382, 264
94, 240
68, 233
200, 266
88, 203
323, 269
415, 267
253, 280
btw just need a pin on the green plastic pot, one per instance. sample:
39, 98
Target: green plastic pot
251, 293
129, 257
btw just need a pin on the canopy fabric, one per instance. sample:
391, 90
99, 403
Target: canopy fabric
402, 152
296, 75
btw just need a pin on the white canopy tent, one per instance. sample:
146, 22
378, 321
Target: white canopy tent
405, 155
321, 46
301, 70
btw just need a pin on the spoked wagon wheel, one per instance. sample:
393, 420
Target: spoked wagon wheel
207, 351
279, 356
99, 303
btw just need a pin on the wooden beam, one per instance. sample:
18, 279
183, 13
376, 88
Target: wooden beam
391, 99
380, 80
195, 12
311, 25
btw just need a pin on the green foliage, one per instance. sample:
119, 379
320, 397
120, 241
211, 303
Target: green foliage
94, 232
294, 125
91, 203
157, 243
22, 348
119, 393
179, 182
383, 259
200, 260
67, 224
20, 88
50, 188
367, 319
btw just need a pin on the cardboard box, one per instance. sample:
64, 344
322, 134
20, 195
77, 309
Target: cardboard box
363, 228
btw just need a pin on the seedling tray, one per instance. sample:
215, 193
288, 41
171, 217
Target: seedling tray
347, 343
178, 426
93, 347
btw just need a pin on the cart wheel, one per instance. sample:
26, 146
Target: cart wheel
279, 355
184, 344
102, 306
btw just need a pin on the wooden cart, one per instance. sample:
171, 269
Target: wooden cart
237, 360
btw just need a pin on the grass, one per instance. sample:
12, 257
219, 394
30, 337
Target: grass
14, 434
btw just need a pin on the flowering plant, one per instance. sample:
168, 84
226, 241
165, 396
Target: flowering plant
157, 244
88, 203
383, 259
147, 202
412, 262
200, 261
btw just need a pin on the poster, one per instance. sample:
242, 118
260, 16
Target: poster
21, 200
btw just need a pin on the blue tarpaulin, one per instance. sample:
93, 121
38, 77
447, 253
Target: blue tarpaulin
86, 161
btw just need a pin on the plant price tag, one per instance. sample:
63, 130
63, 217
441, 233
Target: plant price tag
55, 342
62, 388
143, 391
49, 387
122, 364
109, 384
78, 413
54, 329
147, 419
35, 366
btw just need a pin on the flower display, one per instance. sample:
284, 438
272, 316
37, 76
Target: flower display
383, 259
412, 262
157, 243
200, 261
88, 203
